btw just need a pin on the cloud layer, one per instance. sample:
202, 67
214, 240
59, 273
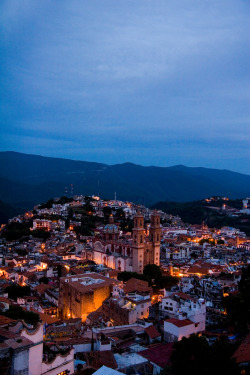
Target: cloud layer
151, 82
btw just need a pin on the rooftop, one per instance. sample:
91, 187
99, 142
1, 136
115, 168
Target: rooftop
179, 323
159, 354
88, 282
242, 354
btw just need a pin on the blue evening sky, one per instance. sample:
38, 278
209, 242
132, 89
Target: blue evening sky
151, 82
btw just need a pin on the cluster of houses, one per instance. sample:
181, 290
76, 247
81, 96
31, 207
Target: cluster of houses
90, 322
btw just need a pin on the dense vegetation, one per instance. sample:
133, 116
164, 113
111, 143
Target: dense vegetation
198, 211
16, 291
16, 312
194, 356
153, 275
7, 212
14, 231
238, 306
26, 180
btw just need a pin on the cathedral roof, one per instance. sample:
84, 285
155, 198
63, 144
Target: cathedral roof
111, 228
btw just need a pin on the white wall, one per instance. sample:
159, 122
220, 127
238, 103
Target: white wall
35, 352
179, 332
21, 361
82, 347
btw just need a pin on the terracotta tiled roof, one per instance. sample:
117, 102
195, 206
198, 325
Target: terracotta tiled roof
77, 282
96, 315
137, 285
28, 274
5, 300
242, 354
179, 323
5, 320
99, 358
45, 318
158, 354
113, 273
180, 295
41, 288
152, 332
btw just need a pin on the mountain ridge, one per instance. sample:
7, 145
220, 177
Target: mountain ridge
176, 166
34, 179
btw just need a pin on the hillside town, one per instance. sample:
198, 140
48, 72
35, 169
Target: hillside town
94, 286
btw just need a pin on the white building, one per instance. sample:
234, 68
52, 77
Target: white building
181, 307
26, 352
176, 329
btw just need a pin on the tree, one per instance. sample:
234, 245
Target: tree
244, 283
194, 356
152, 271
220, 242
15, 291
238, 306
41, 233
88, 208
15, 231
166, 282
119, 214
83, 230
207, 240
47, 204
107, 211
16, 312
64, 200
125, 276
43, 280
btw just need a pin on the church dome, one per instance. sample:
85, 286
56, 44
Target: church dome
111, 228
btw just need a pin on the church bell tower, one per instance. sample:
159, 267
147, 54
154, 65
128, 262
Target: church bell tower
155, 236
138, 243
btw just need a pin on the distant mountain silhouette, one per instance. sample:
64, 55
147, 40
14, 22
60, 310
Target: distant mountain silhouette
7, 212
26, 180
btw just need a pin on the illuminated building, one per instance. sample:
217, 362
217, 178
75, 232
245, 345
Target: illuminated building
82, 294
126, 310
132, 254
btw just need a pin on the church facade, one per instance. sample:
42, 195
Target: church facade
132, 254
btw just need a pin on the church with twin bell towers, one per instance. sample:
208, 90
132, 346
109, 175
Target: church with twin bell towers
146, 249
131, 254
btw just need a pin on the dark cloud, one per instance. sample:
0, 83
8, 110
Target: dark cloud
142, 81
